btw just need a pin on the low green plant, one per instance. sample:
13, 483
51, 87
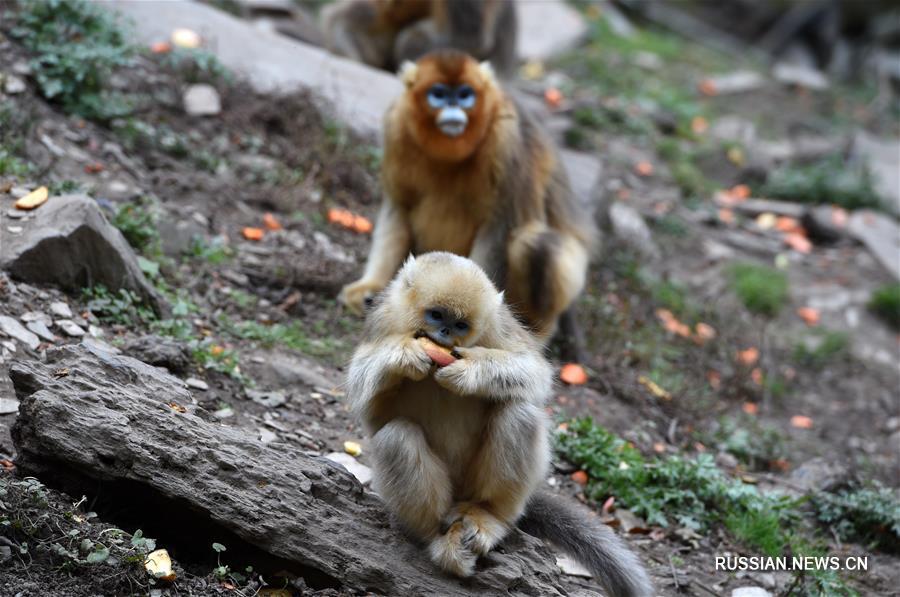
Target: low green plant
76, 45
752, 443
213, 251
821, 347
209, 355
869, 515
828, 181
885, 303
137, 222
671, 490
293, 335
762, 289
122, 307
196, 65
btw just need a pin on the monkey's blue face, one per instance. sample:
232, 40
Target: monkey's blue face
451, 102
444, 327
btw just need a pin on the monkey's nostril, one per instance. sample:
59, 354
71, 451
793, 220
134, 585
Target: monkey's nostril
445, 331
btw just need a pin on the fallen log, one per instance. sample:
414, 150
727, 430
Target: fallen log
107, 419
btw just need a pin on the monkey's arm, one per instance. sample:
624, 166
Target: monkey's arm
391, 243
498, 374
380, 365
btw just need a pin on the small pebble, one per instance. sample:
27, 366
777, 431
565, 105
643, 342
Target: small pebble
70, 328
36, 316
224, 413
15, 229
197, 384
13, 85
19, 192
16, 214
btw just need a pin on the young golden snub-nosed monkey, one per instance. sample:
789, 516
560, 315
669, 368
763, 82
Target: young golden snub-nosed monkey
452, 389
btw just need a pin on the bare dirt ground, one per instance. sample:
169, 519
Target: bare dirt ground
257, 323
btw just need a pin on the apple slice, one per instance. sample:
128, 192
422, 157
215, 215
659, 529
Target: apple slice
439, 354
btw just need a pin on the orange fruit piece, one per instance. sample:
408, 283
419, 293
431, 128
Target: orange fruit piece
644, 168
553, 97
161, 47
707, 87
699, 125
787, 224
271, 222
809, 315
801, 422
253, 233
749, 356
798, 242
580, 477
362, 224
35, 198
751, 408
440, 355
573, 374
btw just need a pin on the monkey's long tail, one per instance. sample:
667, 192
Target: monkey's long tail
592, 543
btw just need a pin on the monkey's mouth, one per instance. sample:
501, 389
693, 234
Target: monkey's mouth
452, 121
452, 129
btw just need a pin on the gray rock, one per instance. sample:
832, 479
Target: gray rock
882, 157
202, 99
29, 316
197, 384
287, 370
177, 235
628, 225
818, 474
8, 406
14, 329
61, 309
819, 223
737, 82
266, 436
802, 76
880, 234
268, 399
19, 192
572, 567
70, 328
750, 592
16, 214
69, 243
362, 473
160, 351
13, 84
41, 329
537, 18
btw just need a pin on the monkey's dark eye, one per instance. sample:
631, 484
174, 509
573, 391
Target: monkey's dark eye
466, 96
436, 315
437, 95
462, 326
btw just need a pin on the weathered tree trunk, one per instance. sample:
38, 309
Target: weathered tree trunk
112, 418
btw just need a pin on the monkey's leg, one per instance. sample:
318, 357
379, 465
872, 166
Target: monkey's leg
546, 272
392, 242
416, 486
509, 466
571, 338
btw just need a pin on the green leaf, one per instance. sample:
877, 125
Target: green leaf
218, 547
98, 556
151, 268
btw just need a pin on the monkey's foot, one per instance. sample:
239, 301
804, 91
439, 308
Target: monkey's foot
449, 551
358, 296
485, 529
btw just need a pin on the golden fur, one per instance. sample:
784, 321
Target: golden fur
496, 193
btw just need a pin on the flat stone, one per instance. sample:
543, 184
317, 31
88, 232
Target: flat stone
61, 309
536, 19
750, 592
19, 192
13, 84
8, 345
41, 329
70, 328
572, 567
630, 227
880, 234
737, 82
268, 399
202, 99
266, 436
802, 76
70, 243
8, 406
14, 329
36, 316
882, 156
362, 473
196, 384
16, 214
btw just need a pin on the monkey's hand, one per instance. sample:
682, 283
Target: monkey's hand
409, 360
497, 374
358, 296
